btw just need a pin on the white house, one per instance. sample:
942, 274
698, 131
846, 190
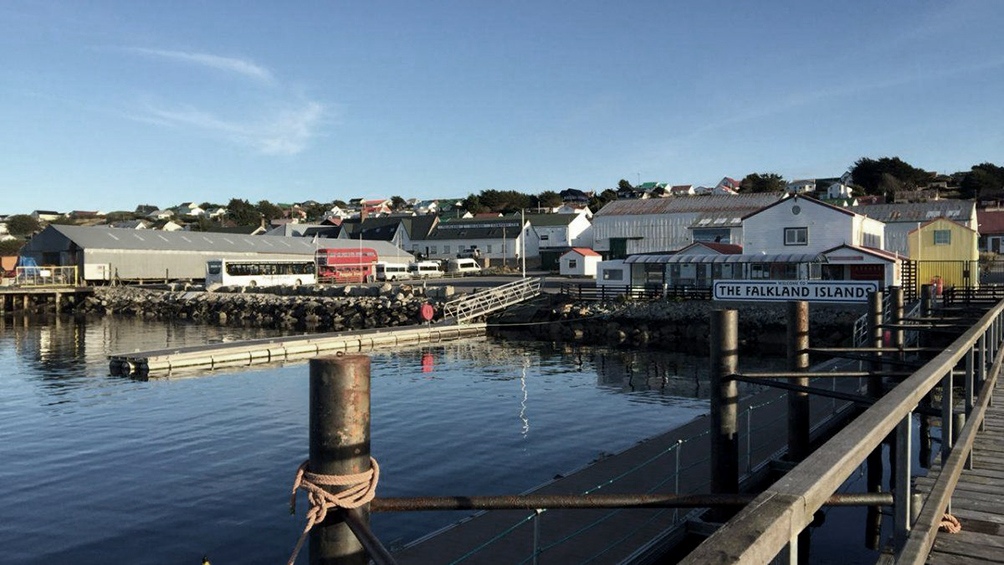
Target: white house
838, 191
579, 262
849, 246
805, 186
493, 240
190, 209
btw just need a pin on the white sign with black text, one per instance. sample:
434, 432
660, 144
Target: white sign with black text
808, 291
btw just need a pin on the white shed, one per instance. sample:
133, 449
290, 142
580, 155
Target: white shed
580, 262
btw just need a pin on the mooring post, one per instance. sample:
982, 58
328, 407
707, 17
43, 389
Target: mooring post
724, 405
798, 360
798, 401
873, 520
339, 445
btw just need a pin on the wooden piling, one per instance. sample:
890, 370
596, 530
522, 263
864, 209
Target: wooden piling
339, 445
724, 402
873, 520
798, 360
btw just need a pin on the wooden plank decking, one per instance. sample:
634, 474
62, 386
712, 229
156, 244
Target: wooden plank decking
978, 502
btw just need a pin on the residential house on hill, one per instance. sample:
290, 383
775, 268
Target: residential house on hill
46, 215
190, 209
682, 190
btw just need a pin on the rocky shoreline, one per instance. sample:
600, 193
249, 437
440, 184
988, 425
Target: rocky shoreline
308, 308
670, 325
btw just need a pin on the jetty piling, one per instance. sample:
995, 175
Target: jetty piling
724, 406
339, 445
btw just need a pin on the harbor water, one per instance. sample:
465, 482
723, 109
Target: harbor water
97, 468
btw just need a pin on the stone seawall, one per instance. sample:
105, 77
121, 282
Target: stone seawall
321, 309
678, 326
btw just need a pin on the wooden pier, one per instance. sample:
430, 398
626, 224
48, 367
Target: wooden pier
978, 499
281, 349
23, 298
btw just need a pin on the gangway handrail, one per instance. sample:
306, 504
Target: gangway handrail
759, 532
480, 303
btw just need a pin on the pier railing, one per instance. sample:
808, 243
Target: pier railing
777, 517
477, 304
602, 293
46, 276
774, 520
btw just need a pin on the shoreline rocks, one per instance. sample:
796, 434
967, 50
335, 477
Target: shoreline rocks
677, 326
320, 309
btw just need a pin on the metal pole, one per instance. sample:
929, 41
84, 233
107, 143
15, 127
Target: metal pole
903, 495
676, 479
873, 520
339, 445
898, 312
798, 360
947, 403
724, 403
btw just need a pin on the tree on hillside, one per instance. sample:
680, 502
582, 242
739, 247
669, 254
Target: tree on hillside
242, 213
983, 181
11, 246
548, 199
22, 224
398, 204
268, 210
870, 175
762, 182
623, 184
473, 204
600, 200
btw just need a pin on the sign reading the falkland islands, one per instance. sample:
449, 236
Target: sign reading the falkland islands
809, 291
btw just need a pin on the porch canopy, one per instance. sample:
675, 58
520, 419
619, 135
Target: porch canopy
728, 258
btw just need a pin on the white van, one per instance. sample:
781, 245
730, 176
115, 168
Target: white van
463, 267
425, 270
392, 271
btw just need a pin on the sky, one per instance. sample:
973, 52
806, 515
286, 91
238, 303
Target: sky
106, 105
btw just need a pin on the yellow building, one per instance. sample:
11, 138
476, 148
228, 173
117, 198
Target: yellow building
946, 252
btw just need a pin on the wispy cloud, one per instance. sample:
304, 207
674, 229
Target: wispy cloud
228, 64
271, 118
288, 132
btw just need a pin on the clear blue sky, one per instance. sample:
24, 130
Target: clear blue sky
108, 104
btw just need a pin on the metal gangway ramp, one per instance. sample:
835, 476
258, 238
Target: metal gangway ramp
470, 306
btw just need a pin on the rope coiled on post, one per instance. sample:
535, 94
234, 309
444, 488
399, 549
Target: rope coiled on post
361, 490
950, 524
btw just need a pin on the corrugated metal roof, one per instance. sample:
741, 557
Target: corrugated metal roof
709, 258
958, 210
147, 240
689, 204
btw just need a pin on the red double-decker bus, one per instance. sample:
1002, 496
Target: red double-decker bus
347, 264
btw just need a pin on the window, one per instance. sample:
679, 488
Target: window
433, 250
544, 237
796, 236
573, 263
489, 248
942, 237
446, 249
613, 275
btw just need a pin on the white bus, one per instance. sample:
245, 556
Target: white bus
260, 272
425, 270
392, 271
